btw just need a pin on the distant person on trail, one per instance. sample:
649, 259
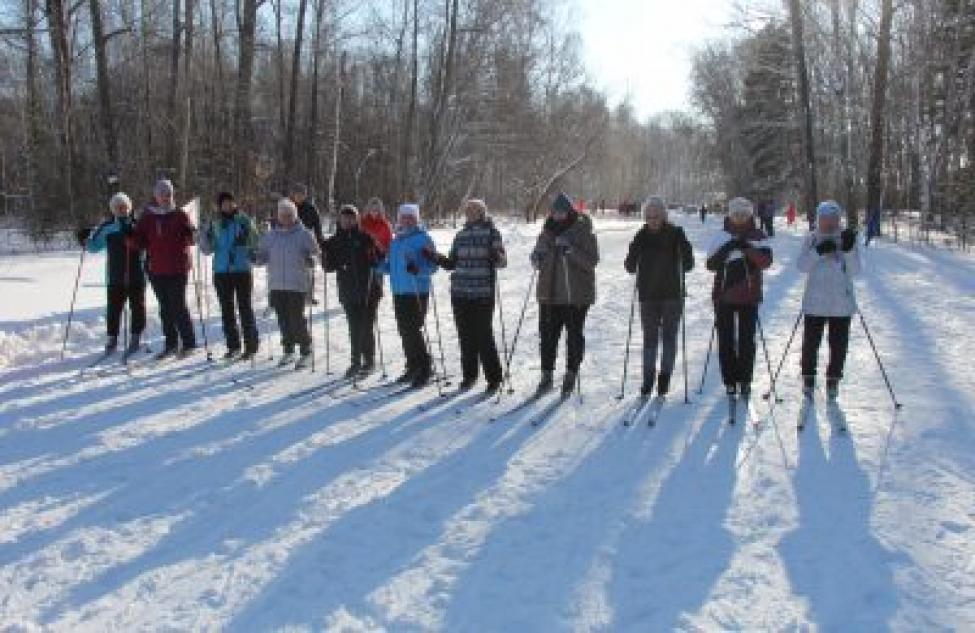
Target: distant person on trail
704, 213
232, 238
125, 276
829, 257
790, 215
659, 255
565, 255
166, 233
289, 251
475, 256
737, 257
410, 272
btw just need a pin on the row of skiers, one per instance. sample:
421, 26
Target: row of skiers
365, 247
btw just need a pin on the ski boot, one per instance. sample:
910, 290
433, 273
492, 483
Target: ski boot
663, 384
546, 382
286, 359
832, 388
111, 345
808, 386
568, 383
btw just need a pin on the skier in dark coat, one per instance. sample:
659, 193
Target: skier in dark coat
659, 255
351, 254
737, 256
167, 235
309, 217
566, 255
475, 256
125, 276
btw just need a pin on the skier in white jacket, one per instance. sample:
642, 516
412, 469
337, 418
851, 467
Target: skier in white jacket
830, 256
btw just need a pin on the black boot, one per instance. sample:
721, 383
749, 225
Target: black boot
546, 382
568, 383
663, 384
833, 388
808, 386
421, 378
406, 377
111, 344
647, 388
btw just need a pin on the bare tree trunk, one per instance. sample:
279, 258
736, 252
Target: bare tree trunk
289, 135
410, 123
172, 89
186, 121
805, 109
104, 87
444, 85
311, 145
339, 93
33, 106
58, 22
247, 27
878, 109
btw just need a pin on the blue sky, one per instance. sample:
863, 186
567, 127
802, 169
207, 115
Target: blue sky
643, 47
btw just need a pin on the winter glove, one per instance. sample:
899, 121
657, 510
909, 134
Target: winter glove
497, 256
443, 261
537, 259
83, 234
412, 268
826, 247
429, 254
309, 261
849, 240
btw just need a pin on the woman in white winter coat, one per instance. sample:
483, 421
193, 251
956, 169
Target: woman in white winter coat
830, 256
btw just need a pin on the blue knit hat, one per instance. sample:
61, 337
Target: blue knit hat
829, 209
563, 203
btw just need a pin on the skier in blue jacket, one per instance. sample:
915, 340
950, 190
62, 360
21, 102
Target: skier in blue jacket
410, 270
231, 239
125, 275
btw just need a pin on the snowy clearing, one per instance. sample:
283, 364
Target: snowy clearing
178, 499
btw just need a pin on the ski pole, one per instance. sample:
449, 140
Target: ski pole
311, 330
768, 361
683, 323
421, 314
568, 294
876, 354
504, 337
74, 296
778, 370
629, 336
199, 304
514, 340
326, 319
379, 335
707, 358
436, 321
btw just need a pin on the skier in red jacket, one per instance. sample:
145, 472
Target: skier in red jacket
166, 233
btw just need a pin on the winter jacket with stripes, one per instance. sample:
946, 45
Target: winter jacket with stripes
475, 254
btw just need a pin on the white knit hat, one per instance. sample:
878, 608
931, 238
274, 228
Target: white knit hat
741, 207
285, 204
118, 199
410, 210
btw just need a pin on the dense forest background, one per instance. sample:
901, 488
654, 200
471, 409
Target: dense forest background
869, 102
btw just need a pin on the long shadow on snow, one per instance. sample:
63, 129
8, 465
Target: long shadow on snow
832, 558
667, 564
567, 528
155, 485
230, 508
370, 544
75, 434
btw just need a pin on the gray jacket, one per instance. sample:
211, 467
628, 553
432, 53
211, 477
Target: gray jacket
290, 257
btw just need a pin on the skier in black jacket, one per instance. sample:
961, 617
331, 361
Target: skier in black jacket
308, 215
351, 253
659, 255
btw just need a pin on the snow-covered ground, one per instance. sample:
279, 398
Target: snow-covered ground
176, 499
